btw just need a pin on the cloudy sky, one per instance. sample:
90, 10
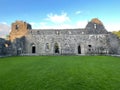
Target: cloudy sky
59, 13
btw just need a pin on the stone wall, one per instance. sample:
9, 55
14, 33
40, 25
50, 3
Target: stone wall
19, 29
94, 39
2, 46
114, 44
69, 42
5, 47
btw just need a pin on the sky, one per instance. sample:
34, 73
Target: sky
59, 13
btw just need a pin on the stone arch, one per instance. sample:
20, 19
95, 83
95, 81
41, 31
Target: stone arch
56, 48
79, 49
33, 48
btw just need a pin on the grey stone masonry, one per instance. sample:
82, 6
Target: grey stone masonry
93, 39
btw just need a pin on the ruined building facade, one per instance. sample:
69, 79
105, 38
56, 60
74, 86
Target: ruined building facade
93, 39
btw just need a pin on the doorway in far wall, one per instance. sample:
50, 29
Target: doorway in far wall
79, 49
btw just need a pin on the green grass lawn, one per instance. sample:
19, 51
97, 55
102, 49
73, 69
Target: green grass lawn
60, 73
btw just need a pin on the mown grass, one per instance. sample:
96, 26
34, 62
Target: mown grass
60, 73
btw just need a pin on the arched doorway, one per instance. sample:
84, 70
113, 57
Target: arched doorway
56, 48
79, 49
33, 49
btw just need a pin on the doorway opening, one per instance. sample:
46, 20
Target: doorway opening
56, 48
33, 49
79, 49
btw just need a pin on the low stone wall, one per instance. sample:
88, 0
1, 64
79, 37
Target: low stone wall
5, 56
114, 55
69, 55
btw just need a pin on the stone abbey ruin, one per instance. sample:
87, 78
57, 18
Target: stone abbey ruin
93, 39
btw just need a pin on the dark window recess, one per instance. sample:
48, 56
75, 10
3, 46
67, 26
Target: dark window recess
89, 45
17, 27
89, 49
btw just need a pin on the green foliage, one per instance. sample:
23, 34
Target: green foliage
60, 73
116, 33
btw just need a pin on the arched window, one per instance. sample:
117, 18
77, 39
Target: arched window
57, 32
69, 32
6, 45
89, 45
47, 46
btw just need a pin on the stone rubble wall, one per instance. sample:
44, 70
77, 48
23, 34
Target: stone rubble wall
91, 40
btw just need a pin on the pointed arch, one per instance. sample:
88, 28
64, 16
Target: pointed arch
56, 48
33, 48
79, 49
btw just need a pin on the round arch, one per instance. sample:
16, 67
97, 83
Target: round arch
33, 48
